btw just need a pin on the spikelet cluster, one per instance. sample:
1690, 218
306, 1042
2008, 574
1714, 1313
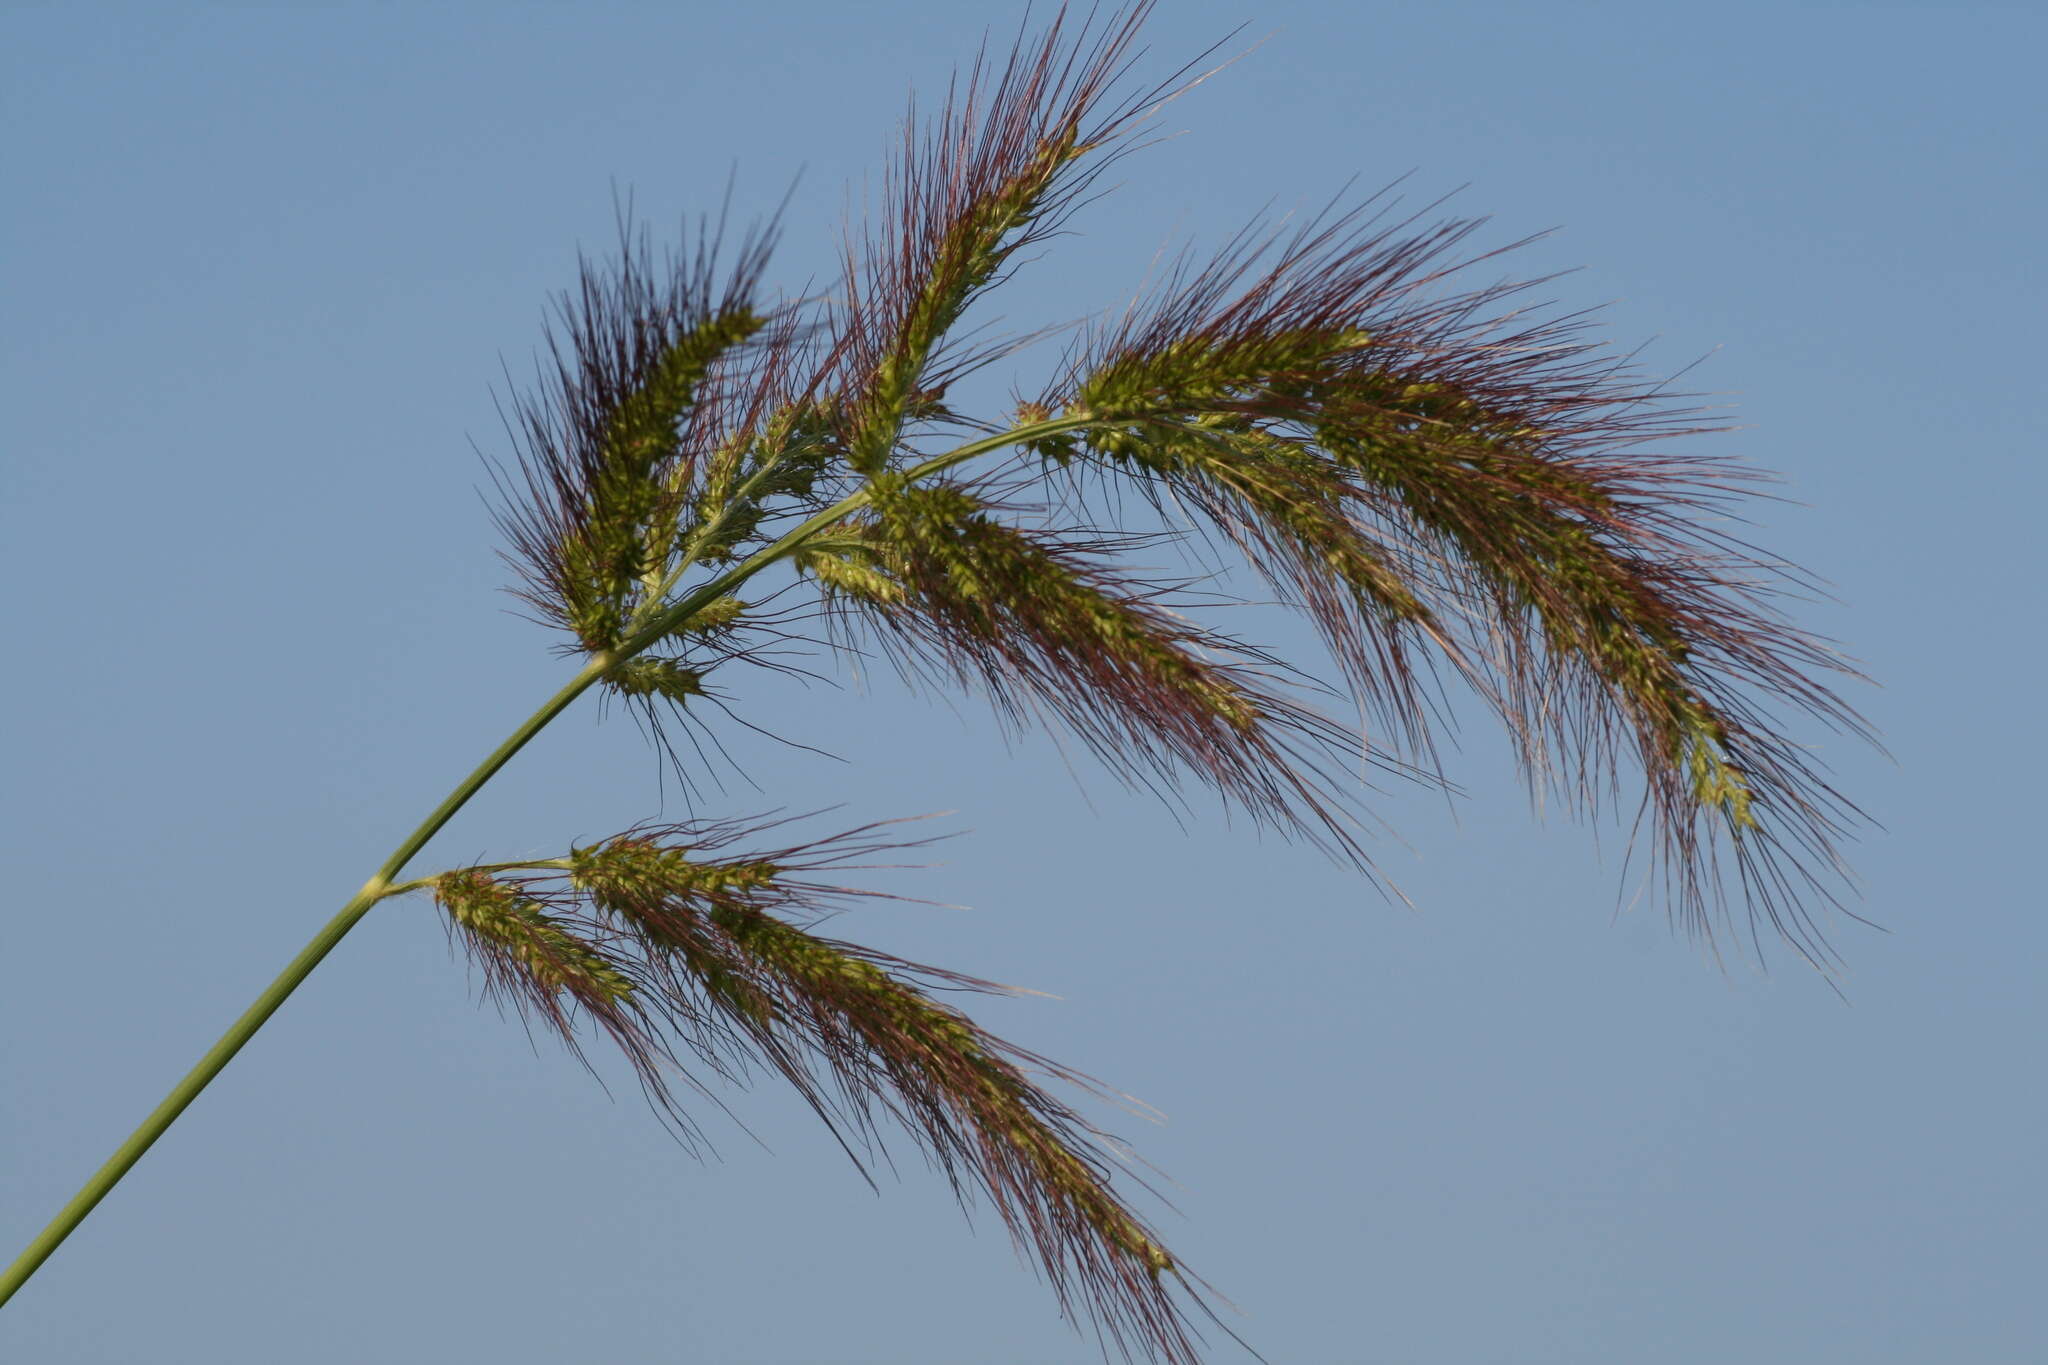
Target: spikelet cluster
674, 946
1430, 475
614, 442
1049, 623
1012, 151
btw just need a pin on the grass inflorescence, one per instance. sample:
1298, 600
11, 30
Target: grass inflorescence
1440, 479
1436, 477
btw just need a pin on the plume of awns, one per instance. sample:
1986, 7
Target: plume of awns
1442, 483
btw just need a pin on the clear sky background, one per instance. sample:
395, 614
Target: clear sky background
262, 265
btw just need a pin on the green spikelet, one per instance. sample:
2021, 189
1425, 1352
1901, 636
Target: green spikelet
844, 574
713, 617
642, 430
1717, 784
641, 879
674, 679
510, 927
649, 676
1199, 371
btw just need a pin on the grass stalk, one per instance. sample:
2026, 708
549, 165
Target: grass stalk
243, 1029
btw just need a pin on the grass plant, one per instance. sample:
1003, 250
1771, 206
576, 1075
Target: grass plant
1443, 484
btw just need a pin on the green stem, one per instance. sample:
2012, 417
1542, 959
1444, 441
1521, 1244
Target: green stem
381, 885
266, 1004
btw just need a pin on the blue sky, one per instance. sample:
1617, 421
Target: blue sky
264, 266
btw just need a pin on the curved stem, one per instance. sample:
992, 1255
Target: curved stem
266, 1004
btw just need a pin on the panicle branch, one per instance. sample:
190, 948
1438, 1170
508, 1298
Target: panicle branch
1009, 156
612, 442
1418, 466
1047, 622
668, 940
